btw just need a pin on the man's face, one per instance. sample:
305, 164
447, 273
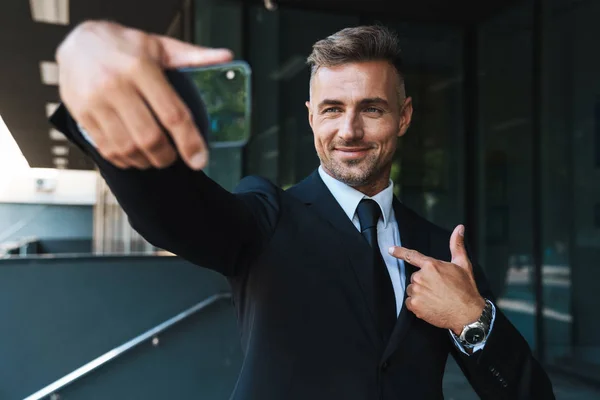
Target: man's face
356, 117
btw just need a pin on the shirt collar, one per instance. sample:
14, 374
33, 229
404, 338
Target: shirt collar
348, 197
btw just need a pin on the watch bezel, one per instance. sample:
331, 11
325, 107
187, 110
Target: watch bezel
467, 333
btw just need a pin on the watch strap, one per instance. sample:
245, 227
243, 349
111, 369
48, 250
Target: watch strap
484, 322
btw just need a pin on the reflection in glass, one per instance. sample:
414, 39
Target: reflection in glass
571, 188
505, 168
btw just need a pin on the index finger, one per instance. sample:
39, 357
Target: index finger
411, 256
174, 115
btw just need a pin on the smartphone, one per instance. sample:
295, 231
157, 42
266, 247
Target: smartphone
219, 98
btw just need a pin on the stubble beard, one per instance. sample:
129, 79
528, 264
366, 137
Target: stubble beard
354, 173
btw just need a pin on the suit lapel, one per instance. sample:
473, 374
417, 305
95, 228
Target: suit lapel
315, 194
412, 236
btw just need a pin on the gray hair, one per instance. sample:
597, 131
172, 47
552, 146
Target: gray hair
358, 44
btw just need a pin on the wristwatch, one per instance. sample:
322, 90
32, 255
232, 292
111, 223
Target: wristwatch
476, 332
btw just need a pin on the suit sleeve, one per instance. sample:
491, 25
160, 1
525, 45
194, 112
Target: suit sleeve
185, 212
505, 368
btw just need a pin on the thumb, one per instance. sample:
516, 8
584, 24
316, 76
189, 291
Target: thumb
457, 247
176, 54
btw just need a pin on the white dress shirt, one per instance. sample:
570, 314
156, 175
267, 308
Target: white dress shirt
388, 235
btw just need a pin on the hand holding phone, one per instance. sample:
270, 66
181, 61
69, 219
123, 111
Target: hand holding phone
112, 79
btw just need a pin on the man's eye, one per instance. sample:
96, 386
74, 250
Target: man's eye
373, 110
332, 110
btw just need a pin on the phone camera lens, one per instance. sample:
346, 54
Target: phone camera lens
230, 74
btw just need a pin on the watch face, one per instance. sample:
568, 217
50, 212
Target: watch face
474, 335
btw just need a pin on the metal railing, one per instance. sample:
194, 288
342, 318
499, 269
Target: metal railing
18, 247
66, 380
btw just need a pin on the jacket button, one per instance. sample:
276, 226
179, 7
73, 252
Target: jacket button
385, 365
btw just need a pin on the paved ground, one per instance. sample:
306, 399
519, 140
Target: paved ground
456, 386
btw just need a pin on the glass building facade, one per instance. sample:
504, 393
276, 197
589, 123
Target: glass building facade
505, 138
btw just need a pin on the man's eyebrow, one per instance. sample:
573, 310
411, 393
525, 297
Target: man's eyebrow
366, 101
374, 100
331, 102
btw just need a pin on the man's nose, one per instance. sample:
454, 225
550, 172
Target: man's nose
351, 128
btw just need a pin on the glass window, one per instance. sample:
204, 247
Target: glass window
505, 167
571, 187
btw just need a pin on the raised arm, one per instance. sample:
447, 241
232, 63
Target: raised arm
112, 85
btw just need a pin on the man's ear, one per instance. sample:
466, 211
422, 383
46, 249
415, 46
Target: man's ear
310, 114
405, 116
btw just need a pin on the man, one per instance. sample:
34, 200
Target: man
326, 311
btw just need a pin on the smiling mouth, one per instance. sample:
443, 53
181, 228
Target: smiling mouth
352, 149
351, 152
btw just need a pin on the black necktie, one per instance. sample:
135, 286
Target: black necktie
368, 212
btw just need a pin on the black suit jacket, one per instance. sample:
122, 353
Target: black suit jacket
300, 273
